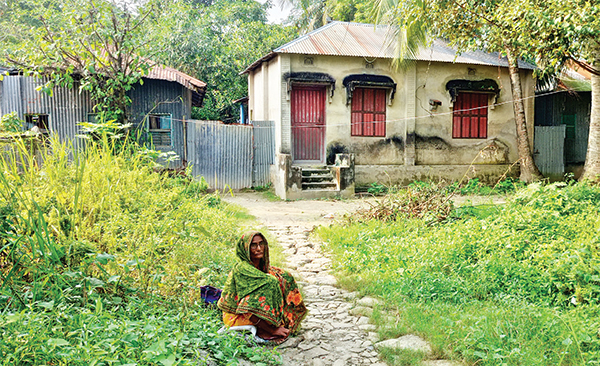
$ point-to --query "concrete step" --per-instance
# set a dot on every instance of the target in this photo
(318, 185)
(315, 171)
(317, 178)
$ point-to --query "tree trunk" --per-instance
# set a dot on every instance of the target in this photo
(591, 169)
(529, 171)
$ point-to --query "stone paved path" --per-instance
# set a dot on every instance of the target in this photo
(333, 333)
(330, 335)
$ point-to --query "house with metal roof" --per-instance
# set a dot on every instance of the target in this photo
(159, 105)
(346, 116)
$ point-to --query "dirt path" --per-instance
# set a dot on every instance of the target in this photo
(334, 332)
(305, 214)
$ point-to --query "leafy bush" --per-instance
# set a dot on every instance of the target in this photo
(474, 186)
(539, 251)
(99, 240)
(11, 123)
(377, 189)
(137, 332)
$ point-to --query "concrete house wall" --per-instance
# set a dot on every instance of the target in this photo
(418, 142)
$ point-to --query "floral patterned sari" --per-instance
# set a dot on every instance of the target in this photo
(269, 293)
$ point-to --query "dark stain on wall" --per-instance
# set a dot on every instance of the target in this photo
(410, 139)
(335, 148)
(431, 142)
(394, 140)
(366, 150)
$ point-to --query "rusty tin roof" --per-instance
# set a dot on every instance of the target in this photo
(162, 72)
(198, 87)
(368, 40)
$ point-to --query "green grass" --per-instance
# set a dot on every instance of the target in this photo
(467, 187)
(269, 195)
(102, 260)
(402, 357)
(267, 191)
(138, 332)
(514, 284)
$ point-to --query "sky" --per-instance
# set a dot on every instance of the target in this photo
(277, 14)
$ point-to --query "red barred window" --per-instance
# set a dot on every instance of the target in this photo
(470, 116)
(368, 112)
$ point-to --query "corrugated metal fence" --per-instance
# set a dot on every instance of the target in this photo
(264, 152)
(231, 156)
(549, 147)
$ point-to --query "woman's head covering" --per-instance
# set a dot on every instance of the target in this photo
(267, 292)
(243, 250)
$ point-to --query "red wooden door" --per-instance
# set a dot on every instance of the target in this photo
(308, 123)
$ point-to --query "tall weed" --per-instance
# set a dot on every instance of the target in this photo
(97, 238)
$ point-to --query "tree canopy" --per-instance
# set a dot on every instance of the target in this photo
(106, 47)
(93, 43)
(214, 42)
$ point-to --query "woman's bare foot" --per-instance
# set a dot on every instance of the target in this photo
(278, 333)
(281, 332)
(267, 331)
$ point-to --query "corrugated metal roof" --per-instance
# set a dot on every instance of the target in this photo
(7, 70)
(198, 87)
(368, 40)
(162, 72)
(571, 79)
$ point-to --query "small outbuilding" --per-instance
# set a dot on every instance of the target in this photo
(160, 105)
(562, 123)
(345, 116)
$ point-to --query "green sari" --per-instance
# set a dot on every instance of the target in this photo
(269, 293)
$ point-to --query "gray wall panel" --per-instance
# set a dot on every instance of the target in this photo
(162, 97)
(264, 152)
(549, 143)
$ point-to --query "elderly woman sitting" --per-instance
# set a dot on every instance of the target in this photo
(259, 294)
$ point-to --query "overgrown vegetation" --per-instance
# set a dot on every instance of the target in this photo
(513, 284)
(10, 124)
(467, 187)
(102, 260)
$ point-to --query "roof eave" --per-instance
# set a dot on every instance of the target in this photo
(258, 62)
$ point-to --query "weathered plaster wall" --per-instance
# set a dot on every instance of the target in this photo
(409, 118)
(403, 175)
(264, 87)
(433, 130)
(284, 145)
(414, 136)
(383, 150)
(256, 95)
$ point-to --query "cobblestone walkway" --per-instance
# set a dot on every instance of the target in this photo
(330, 335)
(333, 333)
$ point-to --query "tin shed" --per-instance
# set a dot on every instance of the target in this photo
(159, 105)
